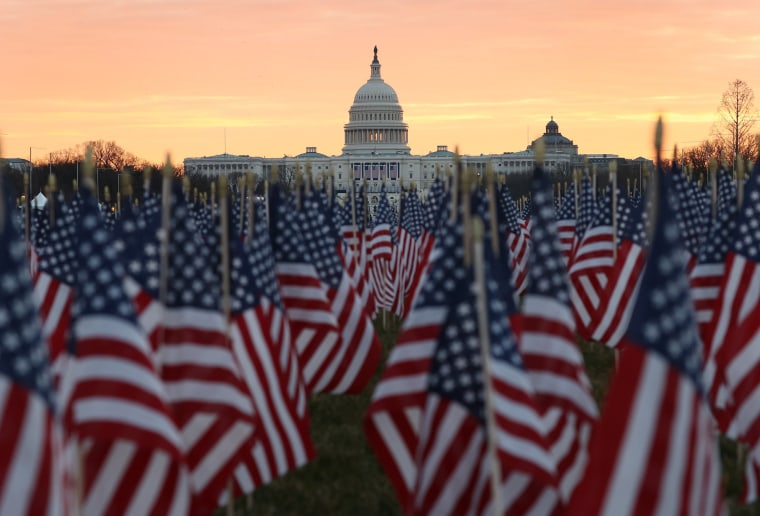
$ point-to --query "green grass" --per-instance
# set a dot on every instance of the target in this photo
(345, 478)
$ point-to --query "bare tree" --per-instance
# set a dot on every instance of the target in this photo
(737, 118)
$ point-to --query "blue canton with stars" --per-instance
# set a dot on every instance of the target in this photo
(320, 246)
(137, 236)
(567, 211)
(747, 234)
(507, 211)
(663, 319)
(689, 212)
(412, 218)
(359, 207)
(261, 259)
(59, 257)
(23, 353)
(287, 242)
(721, 232)
(456, 371)
(631, 223)
(435, 206)
(586, 207)
(193, 280)
(99, 289)
(40, 231)
(726, 191)
(547, 275)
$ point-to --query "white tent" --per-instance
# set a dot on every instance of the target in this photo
(39, 201)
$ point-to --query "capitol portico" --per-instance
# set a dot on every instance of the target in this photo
(376, 149)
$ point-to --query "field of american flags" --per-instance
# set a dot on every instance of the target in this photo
(423, 328)
(346, 478)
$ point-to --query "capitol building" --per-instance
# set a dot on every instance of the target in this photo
(376, 150)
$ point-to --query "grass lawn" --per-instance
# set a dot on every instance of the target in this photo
(346, 479)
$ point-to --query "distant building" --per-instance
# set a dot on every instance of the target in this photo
(20, 164)
(376, 150)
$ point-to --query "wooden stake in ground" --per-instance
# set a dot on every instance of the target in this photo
(224, 250)
(739, 181)
(250, 184)
(613, 185)
(455, 184)
(52, 187)
(165, 227)
(27, 213)
(491, 186)
(714, 186)
(485, 356)
(576, 193)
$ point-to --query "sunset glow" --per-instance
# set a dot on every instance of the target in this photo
(270, 77)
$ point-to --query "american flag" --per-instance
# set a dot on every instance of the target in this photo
(692, 216)
(381, 245)
(706, 279)
(39, 235)
(619, 296)
(114, 402)
(707, 274)
(260, 338)
(426, 422)
(736, 338)
(411, 259)
(313, 324)
(566, 224)
(354, 214)
(590, 267)
(654, 450)
(210, 400)
(354, 254)
(30, 464)
(53, 285)
(586, 210)
(354, 360)
(436, 207)
(551, 356)
(518, 237)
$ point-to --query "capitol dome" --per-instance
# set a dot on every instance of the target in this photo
(376, 121)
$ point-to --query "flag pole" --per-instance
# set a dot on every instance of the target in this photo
(89, 183)
(491, 183)
(242, 184)
(714, 186)
(352, 200)
(52, 187)
(27, 214)
(613, 184)
(274, 178)
(455, 184)
(739, 181)
(465, 185)
(224, 226)
(576, 193)
(165, 220)
(250, 182)
(485, 354)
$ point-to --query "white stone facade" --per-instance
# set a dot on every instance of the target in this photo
(376, 149)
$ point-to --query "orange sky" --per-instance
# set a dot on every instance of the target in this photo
(162, 76)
